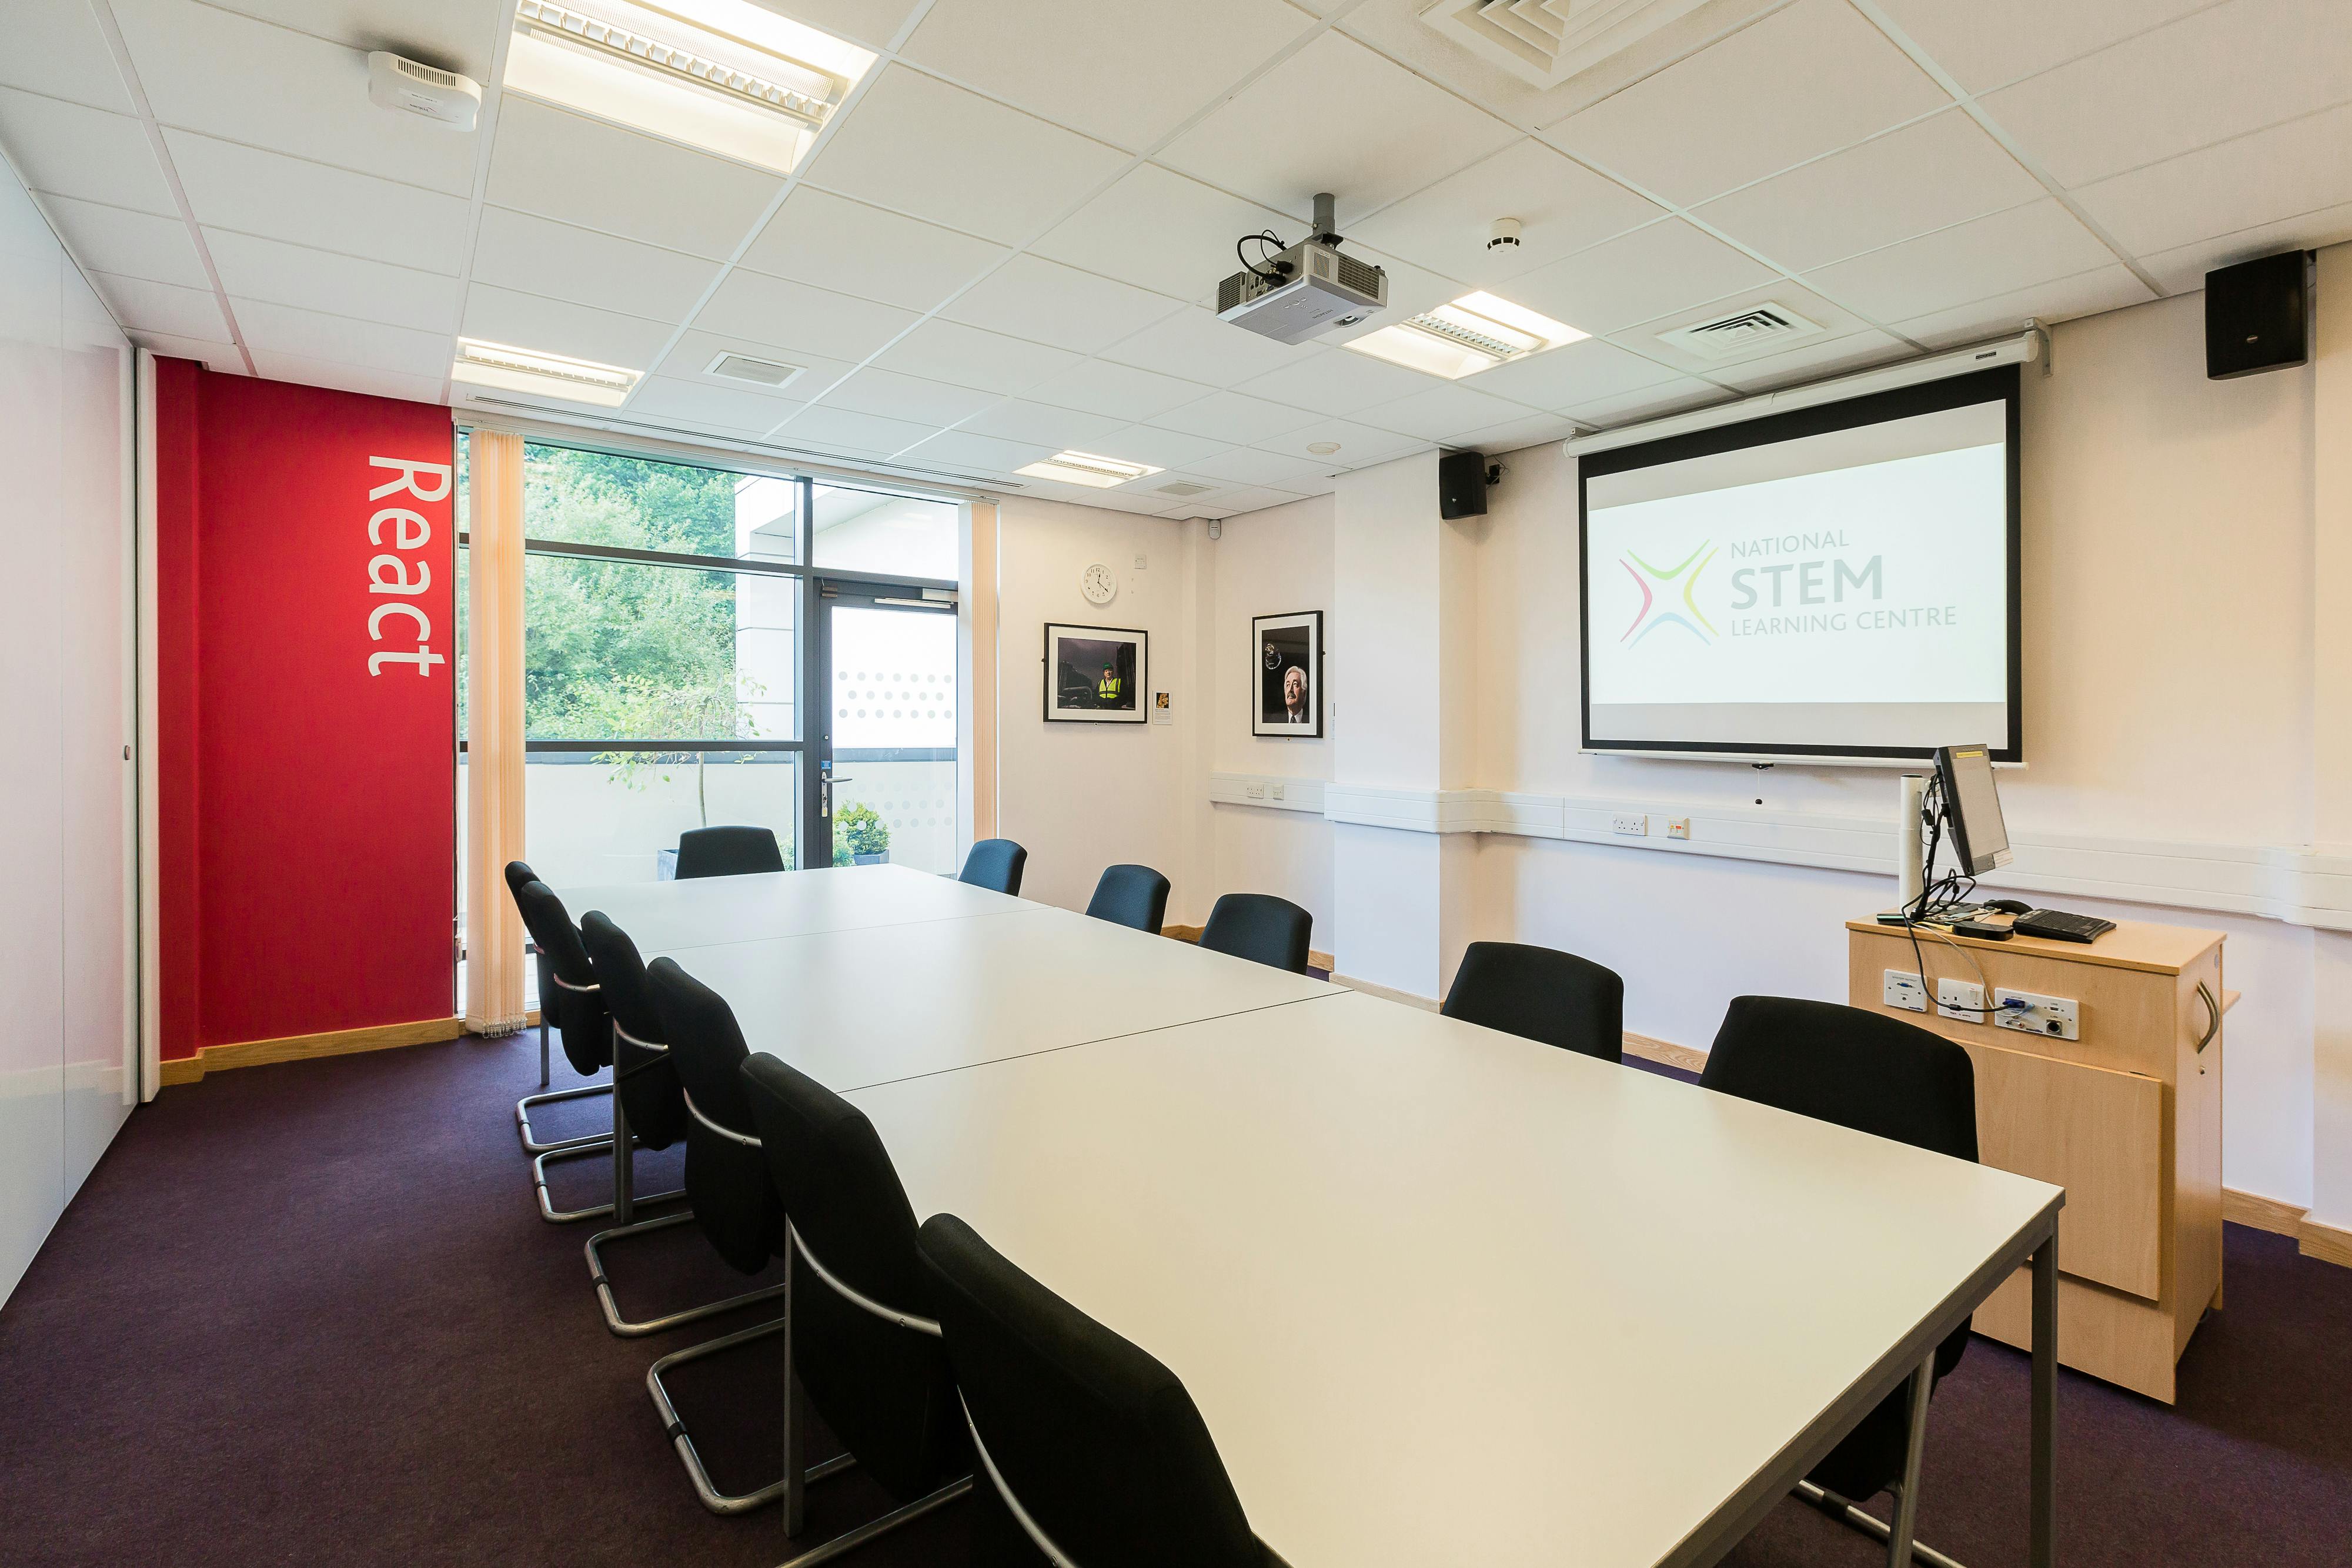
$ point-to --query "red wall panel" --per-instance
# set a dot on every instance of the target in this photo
(307, 640)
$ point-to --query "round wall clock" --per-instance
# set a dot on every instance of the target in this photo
(1097, 584)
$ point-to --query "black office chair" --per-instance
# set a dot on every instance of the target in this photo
(649, 1109)
(1094, 1452)
(1260, 927)
(1875, 1074)
(1131, 895)
(1541, 994)
(570, 998)
(735, 1204)
(867, 1354)
(728, 852)
(995, 863)
(518, 876)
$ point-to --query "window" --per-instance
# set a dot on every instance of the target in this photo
(888, 536)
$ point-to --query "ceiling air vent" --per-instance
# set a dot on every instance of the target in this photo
(1545, 42)
(744, 368)
(1767, 325)
(1183, 487)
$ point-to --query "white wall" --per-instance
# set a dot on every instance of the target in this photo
(67, 1030)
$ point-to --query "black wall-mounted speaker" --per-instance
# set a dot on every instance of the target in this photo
(2258, 316)
(1462, 485)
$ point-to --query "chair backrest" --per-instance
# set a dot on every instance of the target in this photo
(727, 1180)
(1542, 994)
(518, 873)
(1093, 1444)
(1260, 927)
(994, 863)
(642, 1072)
(1131, 895)
(728, 852)
(569, 995)
(864, 1344)
(1861, 1070)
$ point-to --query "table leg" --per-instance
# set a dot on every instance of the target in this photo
(2044, 1485)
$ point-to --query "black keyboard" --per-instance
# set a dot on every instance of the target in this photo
(2057, 926)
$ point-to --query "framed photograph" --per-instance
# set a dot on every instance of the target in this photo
(1286, 656)
(1095, 675)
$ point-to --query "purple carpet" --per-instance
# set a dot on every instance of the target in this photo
(309, 1314)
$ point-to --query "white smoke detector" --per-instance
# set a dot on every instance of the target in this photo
(412, 87)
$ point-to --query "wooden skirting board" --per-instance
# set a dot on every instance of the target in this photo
(302, 1047)
(2313, 1240)
(1315, 960)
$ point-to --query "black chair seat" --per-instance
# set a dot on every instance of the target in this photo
(643, 1073)
(727, 1182)
(568, 993)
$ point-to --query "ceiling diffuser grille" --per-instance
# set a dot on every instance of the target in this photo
(1545, 42)
(1741, 332)
(759, 372)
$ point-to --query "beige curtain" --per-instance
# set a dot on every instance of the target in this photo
(494, 935)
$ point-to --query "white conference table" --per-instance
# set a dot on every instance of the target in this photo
(666, 916)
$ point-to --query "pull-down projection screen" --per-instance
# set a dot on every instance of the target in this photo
(1838, 582)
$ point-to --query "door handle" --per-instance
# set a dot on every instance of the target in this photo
(2212, 1022)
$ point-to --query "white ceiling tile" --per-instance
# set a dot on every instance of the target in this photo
(76, 151)
(538, 256)
(344, 376)
(1677, 396)
(1229, 416)
(1535, 430)
(229, 76)
(894, 396)
(523, 320)
(1160, 230)
(1833, 322)
(1816, 361)
(1574, 373)
(766, 310)
(1984, 43)
(282, 274)
(873, 23)
(2236, 67)
(163, 308)
(853, 248)
(2301, 166)
(2108, 288)
(55, 46)
(1128, 71)
(982, 454)
(1049, 303)
(918, 145)
(1800, 83)
(1248, 466)
(1160, 448)
(1256, 498)
(1562, 207)
(1120, 390)
(695, 351)
(221, 357)
(580, 171)
(277, 197)
(2184, 268)
(1941, 171)
(1335, 382)
(703, 403)
(855, 432)
(952, 351)
(1338, 117)
(1974, 260)
(1440, 412)
(1638, 277)
(1062, 429)
(453, 35)
(339, 340)
(134, 245)
(1193, 345)
(1360, 445)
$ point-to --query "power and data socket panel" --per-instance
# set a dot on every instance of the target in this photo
(1961, 1000)
(1633, 827)
(1904, 991)
(2055, 1017)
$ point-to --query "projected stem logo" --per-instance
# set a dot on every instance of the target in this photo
(1662, 605)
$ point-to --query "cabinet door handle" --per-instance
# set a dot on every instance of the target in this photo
(2212, 1020)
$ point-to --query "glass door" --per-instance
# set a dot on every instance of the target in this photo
(886, 741)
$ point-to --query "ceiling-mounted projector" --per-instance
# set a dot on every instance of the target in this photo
(1305, 290)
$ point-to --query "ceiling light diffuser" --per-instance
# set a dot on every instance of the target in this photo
(550, 375)
(1086, 468)
(727, 76)
(1474, 333)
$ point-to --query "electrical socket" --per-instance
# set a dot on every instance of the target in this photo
(1277, 790)
(1254, 789)
(1961, 1000)
(1633, 827)
(1904, 990)
(2054, 1018)
(1678, 827)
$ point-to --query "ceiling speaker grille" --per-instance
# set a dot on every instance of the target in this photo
(1184, 487)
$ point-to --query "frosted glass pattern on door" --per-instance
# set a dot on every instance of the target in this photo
(894, 737)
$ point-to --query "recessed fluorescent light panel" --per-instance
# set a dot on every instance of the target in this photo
(550, 375)
(1474, 333)
(1086, 468)
(727, 76)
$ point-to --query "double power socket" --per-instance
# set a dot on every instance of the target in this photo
(2027, 1012)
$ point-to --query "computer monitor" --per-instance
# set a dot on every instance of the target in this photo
(1972, 806)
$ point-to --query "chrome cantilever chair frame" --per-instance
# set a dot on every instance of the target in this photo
(1902, 1545)
(618, 1139)
(532, 1143)
(624, 1212)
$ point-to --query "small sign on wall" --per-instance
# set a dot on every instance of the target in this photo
(1160, 710)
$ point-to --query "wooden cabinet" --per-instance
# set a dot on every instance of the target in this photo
(2126, 1118)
